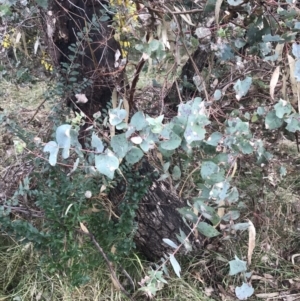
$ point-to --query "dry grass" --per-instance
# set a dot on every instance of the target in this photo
(273, 205)
(20, 103)
(270, 202)
(23, 278)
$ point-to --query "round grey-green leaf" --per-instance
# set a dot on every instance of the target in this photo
(134, 155)
(208, 168)
(176, 174)
(63, 136)
(217, 94)
(138, 120)
(244, 292)
(107, 163)
(53, 149)
(172, 143)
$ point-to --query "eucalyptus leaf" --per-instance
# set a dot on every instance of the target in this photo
(120, 145)
(242, 87)
(237, 266)
(214, 139)
(63, 138)
(207, 230)
(273, 122)
(172, 143)
(296, 50)
(270, 38)
(188, 214)
(156, 124)
(97, 143)
(208, 168)
(53, 148)
(175, 265)
(235, 2)
(297, 70)
(283, 108)
(176, 173)
(217, 94)
(170, 243)
(245, 291)
(240, 226)
(116, 116)
(134, 155)
(231, 215)
(293, 123)
(138, 121)
(107, 163)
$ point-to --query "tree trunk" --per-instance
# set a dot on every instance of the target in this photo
(78, 36)
(189, 90)
(157, 217)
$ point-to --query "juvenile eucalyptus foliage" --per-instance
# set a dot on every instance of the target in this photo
(194, 144)
(187, 132)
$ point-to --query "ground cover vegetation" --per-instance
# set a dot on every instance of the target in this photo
(149, 150)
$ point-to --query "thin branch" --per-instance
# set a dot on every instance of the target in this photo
(187, 51)
(186, 12)
(134, 81)
(108, 263)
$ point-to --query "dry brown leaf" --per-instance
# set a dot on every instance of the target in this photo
(127, 108)
(18, 37)
(274, 81)
(160, 158)
(115, 283)
(114, 101)
(94, 209)
(164, 34)
(208, 291)
(221, 209)
(186, 18)
(284, 85)
(113, 249)
(295, 86)
(267, 295)
(268, 276)
(84, 228)
(217, 11)
(278, 49)
(251, 245)
(293, 258)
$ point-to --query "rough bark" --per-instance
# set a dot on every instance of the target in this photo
(95, 47)
(157, 219)
(199, 57)
(156, 216)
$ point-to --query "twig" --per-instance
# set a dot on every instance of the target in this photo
(108, 263)
(38, 108)
(128, 277)
(192, 11)
(134, 81)
(186, 12)
(186, 49)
